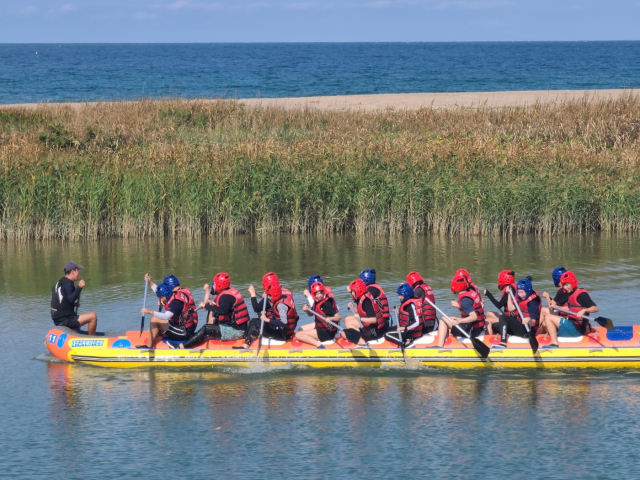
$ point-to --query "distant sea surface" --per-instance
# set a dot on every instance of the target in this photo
(78, 72)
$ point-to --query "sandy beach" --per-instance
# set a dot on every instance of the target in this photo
(418, 100)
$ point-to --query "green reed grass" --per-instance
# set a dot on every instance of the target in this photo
(192, 167)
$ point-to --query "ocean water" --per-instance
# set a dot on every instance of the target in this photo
(79, 72)
(72, 421)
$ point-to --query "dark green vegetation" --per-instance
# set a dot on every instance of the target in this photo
(192, 167)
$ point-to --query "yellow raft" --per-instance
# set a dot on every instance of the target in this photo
(605, 349)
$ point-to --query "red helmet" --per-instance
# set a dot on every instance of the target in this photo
(317, 287)
(569, 277)
(275, 290)
(413, 278)
(357, 288)
(465, 274)
(221, 282)
(268, 278)
(459, 283)
(506, 277)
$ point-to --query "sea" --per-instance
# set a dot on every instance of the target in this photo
(90, 72)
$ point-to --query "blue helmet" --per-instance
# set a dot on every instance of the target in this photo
(313, 279)
(526, 285)
(557, 273)
(164, 290)
(406, 291)
(172, 281)
(368, 276)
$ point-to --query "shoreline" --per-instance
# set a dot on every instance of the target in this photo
(401, 101)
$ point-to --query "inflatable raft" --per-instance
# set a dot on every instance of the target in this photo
(619, 348)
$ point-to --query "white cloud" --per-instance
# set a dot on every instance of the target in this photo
(68, 7)
(178, 4)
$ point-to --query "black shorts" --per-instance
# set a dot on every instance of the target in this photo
(178, 333)
(324, 335)
(69, 322)
(372, 332)
(473, 332)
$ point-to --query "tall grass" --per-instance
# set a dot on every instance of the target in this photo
(193, 167)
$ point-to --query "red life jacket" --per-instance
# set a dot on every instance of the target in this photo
(317, 307)
(404, 316)
(240, 314)
(524, 307)
(292, 314)
(380, 307)
(329, 293)
(288, 293)
(428, 312)
(477, 306)
(189, 316)
(575, 306)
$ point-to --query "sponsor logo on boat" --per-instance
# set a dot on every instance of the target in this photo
(86, 343)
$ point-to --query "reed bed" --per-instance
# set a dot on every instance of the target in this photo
(178, 167)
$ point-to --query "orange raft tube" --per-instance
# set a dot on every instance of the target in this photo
(619, 348)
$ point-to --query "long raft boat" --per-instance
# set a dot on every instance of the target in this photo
(619, 348)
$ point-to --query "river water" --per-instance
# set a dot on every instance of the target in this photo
(76, 421)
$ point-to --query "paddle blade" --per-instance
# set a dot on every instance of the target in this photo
(480, 347)
(604, 322)
(352, 335)
(533, 341)
(142, 325)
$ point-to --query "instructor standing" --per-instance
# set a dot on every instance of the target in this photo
(65, 300)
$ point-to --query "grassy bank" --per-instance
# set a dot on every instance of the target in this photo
(192, 167)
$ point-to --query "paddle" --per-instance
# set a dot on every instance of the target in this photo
(144, 303)
(352, 334)
(602, 321)
(264, 306)
(480, 347)
(533, 341)
(404, 356)
(356, 316)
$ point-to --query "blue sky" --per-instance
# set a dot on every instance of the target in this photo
(37, 21)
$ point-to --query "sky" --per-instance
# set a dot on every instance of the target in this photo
(158, 21)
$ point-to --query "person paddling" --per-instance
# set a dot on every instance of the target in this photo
(472, 319)
(228, 315)
(319, 331)
(372, 310)
(506, 283)
(580, 303)
(327, 291)
(423, 291)
(410, 317)
(280, 317)
(179, 320)
(65, 300)
(530, 305)
(561, 298)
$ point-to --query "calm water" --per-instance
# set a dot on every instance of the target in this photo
(78, 72)
(79, 421)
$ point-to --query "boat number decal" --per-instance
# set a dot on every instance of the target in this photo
(86, 343)
(52, 338)
(61, 340)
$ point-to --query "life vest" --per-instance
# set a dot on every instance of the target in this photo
(404, 316)
(575, 306)
(524, 307)
(60, 306)
(428, 312)
(477, 306)
(189, 316)
(240, 314)
(317, 307)
(292, 314)
(288, 293)
(380, 307)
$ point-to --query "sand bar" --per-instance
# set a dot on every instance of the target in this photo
(416, 100)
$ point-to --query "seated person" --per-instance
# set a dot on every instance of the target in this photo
(471, 311)
(372, 311)
(319, 331)
(530, 306)
(409, 317)
(65, 300)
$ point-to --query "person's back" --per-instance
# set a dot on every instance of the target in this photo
(65, 300)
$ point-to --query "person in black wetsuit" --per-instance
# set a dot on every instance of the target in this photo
(506, 283)
(65, 300)
(228, 316)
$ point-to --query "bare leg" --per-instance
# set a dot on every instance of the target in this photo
(553, 323)
(443, 333)
(491, 319)
(308, 336)
(351, 322)
(155, 328)
(91, 320)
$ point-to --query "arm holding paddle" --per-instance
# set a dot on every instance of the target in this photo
(533, 341)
